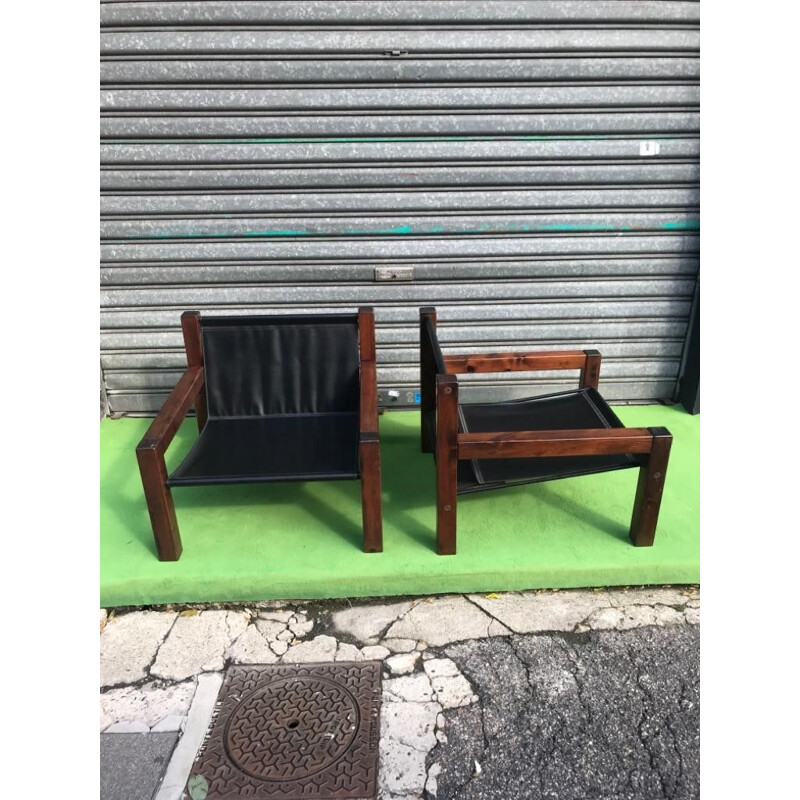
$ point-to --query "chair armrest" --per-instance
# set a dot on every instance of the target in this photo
(164, 426)
(587, 361)
(516, 362)
(578, 442)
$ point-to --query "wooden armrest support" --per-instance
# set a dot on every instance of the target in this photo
(527, 444)
(369, 449)
(164, 426)
(368, 376)
(516, 362)
(587, 361)
(368, 420)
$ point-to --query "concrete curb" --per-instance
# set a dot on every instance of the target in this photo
(180, 765)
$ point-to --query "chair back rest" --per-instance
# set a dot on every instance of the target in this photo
(436, 350)
(466, 469)
(279, 365)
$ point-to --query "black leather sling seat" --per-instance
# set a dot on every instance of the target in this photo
(262, 449)
(580, 409)
(283, 401)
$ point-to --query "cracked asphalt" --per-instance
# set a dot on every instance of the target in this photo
(540, 694)
(602, 714)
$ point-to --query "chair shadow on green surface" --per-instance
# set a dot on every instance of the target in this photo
(408, 489)
(270, 500)
(130, 507)
(122, 494)
(587, 515)
(410, 485)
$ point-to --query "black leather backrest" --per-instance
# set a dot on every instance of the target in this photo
(305, 364)
(437, 350)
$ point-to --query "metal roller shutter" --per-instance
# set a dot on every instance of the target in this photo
(534, 164)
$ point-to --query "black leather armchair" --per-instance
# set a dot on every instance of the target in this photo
(484, 446)
(278, 398)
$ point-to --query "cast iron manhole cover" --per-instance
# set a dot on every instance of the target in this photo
(295, 731)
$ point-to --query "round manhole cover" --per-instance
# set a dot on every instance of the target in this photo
(291, 728)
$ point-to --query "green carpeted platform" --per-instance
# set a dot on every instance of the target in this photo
(272, 541)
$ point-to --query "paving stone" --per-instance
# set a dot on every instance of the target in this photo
(453, 692)
(444, 620)
(640, 616)
(692, 616)
(411, 724)
(128, 645)
(402, 768)
(665, 615)
(320, 648)
(285, 636)
(527, 612)
(604, 619)
(271, 629)
(630, 617)
(430, 783)
(147, 703)
(348, 652)
(368, 622)
(410, 688)
(279, 648)
(374, 652)
(421, 646)
(127, 727)
(301, 628)
(400, 645)
(452, 689)
(649, 596)
(173, 722)
(402, 663)
(198, 644)
(251, 648)
(441, 668)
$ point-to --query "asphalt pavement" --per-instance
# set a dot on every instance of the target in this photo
(576, 716)
(569, 695)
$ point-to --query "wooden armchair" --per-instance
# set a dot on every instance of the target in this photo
(483, 446)
(278, 398)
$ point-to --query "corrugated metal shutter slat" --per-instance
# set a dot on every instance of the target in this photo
(534, 162)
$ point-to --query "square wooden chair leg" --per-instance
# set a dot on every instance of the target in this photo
(650, 488)
(159, 503)
(446, 522)
(446, 463)
(370, 454)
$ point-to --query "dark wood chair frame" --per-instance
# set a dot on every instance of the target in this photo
(190, 390)
(439, 393)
